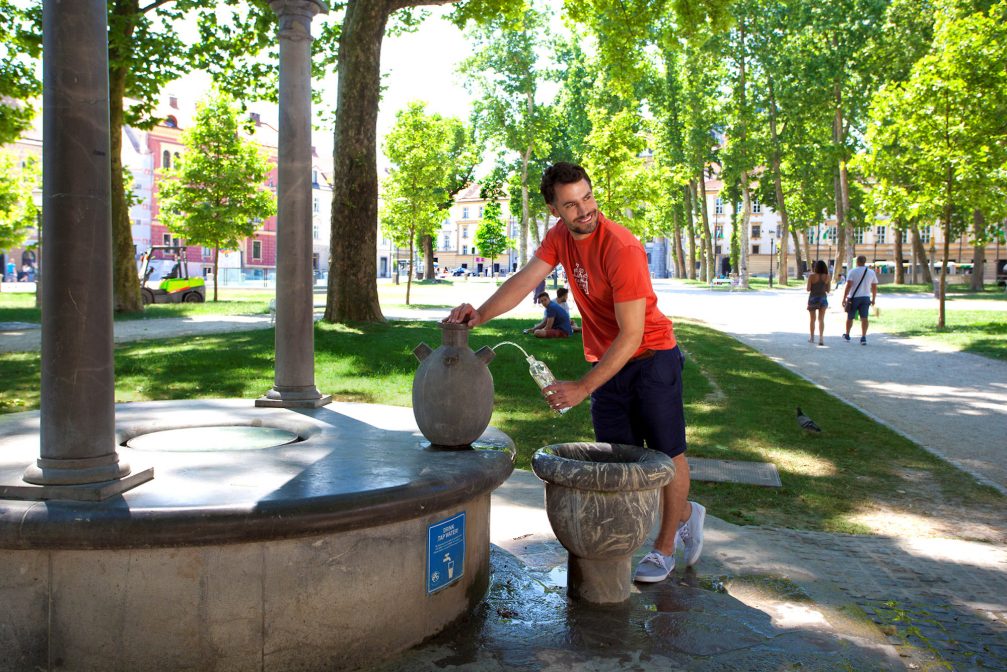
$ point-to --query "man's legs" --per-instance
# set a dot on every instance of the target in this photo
(675, 507)
(863, 327)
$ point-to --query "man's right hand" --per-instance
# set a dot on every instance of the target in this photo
(464, 314)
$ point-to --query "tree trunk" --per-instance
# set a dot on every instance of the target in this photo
(948, 205)
(746, 218)
(125, 283)
(708, 237)
(679, 252)
(216, 270)
(690, 228)
(352, 289)
(843, 223)
(900, 271)
(979, 251)
(536, 234)
(409, 277)
(427, 243)
(798, 261)
(921, 252)
(840, 231)
(781, 206)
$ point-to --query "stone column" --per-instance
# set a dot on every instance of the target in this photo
(77, 426)
(294, 377)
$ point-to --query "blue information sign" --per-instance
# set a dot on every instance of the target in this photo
(445, 552)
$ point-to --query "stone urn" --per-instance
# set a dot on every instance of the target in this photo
(602, 500)
(453, 389)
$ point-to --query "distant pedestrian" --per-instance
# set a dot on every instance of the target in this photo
(860, 294)
(538, 291)
(818, 300)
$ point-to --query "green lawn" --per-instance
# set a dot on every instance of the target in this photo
(981, 332)
(955, 291)
(740, 405)
(20, 307)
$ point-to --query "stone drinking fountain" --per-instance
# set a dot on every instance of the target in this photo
(602, 500)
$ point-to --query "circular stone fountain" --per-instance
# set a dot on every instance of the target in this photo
(323, 539)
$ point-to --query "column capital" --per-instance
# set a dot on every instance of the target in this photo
(295, 17)
(305, 8)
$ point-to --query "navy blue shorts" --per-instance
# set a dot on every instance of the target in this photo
(642, 404)
(860, 304)
(817, 302)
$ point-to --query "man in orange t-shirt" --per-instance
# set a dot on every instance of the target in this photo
(635, 380)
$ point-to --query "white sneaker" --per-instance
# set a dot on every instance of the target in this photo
(654, 567)
(691, 534)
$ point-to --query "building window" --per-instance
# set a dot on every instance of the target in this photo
(718, 206)
(925, 234)
(315, 206)
(858, 236)
(465, 249)
(465, 232)
(314, 231)
(755, 249)
(465, 213)
(166, 239)
(166, 159)
(905, 235)
(756, 206)
(832, 233)
(881, 235)
(257, 249)
(207, 252)
(756, 232)
(314, 178)
(718, 233)
(480, 212)
(446, 242)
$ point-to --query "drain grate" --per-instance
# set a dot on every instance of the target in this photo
(730, 471)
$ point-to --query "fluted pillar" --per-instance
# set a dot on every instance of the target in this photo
(78, 458)
(294, 376)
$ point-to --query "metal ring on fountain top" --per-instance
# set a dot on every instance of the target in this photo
(604, 467)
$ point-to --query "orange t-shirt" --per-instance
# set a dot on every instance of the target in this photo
(607, 267)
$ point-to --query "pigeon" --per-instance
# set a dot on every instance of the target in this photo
(806, 423)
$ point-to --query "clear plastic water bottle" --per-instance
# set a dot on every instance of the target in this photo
(542, 375)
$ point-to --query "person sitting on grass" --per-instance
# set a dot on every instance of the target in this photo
(555, 322)
(562, 294)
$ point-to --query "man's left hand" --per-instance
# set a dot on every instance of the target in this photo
(565, 394)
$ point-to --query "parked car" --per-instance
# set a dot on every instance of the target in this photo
(460, 271)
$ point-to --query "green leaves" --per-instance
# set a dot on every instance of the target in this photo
(18, 214)
(215, 195)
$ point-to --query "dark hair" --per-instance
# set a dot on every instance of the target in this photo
(545, 294)
(562, 291)
(560, 173)
(821, 268)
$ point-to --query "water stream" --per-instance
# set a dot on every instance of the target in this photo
(509, 343)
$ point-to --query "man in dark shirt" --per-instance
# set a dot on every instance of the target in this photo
(555, 322)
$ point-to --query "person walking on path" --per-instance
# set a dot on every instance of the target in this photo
(635, 381)
(864, 285)
(555, 322)
(818, 300)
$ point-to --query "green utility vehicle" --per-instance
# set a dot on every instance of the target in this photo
(166, 279)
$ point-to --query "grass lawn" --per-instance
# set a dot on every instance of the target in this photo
(20, 307)
(955, 291)
(981, 332)
(740, 405)
(754, 283)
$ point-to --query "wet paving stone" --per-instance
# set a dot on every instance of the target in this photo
(687, 623)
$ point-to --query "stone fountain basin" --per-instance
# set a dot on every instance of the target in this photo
(306, 555)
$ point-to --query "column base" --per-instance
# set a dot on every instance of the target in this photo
(293, 397)
(87, 492)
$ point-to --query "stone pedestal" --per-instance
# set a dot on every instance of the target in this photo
(602, 501)
(312, 555)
